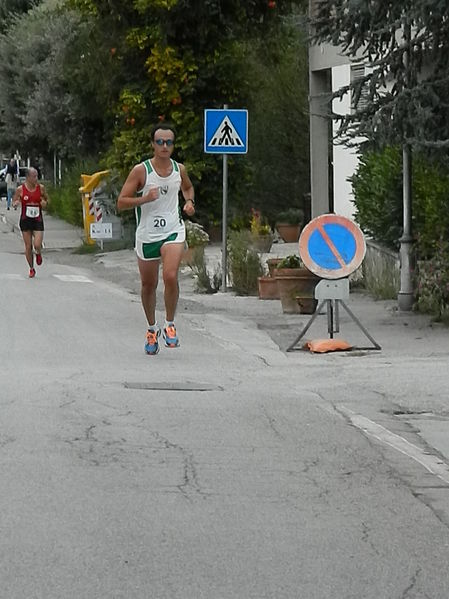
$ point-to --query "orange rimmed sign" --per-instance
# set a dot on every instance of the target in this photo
(332, 246)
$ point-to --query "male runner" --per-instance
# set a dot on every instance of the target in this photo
(152, 188)
(33, 197)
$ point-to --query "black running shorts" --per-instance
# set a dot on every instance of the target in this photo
(31, 224)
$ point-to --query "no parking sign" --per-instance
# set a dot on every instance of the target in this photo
(332, 246)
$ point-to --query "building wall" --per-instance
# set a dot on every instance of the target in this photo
(345, 160)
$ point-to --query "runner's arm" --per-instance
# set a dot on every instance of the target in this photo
(16, 199)
(127, 198)
(188, 191)
(44, 196)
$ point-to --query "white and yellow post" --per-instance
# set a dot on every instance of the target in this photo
(90, 182)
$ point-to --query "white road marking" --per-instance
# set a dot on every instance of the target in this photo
(73, 278)
(11, 277)
(431, 463)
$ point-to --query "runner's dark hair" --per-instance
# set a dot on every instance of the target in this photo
(164, 126)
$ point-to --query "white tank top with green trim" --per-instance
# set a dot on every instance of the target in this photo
(158, 219)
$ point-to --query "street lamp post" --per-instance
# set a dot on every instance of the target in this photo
(405, 296)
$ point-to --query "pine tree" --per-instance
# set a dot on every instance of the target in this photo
(406, 86)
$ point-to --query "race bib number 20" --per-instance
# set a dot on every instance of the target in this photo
(159, 223)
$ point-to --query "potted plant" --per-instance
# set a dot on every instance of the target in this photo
(272, 264)
(261, 233)
(289, 223)
(196, 240)
(294, 280)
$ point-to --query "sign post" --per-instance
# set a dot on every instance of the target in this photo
(225, 132)
(332, 247)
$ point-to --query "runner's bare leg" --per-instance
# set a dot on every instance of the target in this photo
(27, 237)
(38, 237)
(149, 274)
(171, 259)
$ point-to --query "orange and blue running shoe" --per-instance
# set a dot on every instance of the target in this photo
(151, 342)
(170, 336)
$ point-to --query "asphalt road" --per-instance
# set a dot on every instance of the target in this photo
(223, 469)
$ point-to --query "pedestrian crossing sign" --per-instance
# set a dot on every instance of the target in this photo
(226, 131)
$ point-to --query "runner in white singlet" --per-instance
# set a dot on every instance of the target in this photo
(159, 222)
(152, 189)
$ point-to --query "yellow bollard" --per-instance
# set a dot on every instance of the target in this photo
(89, 183)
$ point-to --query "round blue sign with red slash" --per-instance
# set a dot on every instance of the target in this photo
(332, 246)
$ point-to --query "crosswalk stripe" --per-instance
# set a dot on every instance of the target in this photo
(73, 278)
(65, 278)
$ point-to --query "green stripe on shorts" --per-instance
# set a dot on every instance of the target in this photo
(153, 250)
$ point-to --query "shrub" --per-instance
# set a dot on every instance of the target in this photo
(377, 186)
(204, 283)
(65, 199)
(195, 234)
(433, 283)
(293, 216)
(245, 265)
(292, 261)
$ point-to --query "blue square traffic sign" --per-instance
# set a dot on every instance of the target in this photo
(226, 131)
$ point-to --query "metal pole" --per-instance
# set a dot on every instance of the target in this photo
(405, 296)
(224, 250)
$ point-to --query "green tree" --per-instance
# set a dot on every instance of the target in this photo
(8, 8)
(277, 74)
(406, 47)
(50, 97)
(178, 57)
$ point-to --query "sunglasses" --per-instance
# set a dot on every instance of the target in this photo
(161, 142)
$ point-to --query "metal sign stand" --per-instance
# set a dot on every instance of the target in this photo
(332, 294)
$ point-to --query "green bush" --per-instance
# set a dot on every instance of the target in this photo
(377, 187)
(65, 199)
(433, 283)
(292, 261)
(245, 265)
(293, 216)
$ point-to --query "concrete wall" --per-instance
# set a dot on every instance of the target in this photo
(345, 160)
(329, 70)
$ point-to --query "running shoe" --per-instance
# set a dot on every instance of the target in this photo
(170, 336)
(38, 259)
(152, 343)
(32, 273)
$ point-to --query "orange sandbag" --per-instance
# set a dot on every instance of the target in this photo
(325, 345)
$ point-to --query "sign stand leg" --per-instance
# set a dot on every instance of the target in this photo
(333, 309)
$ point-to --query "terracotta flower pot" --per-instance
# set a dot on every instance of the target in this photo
(307, 305)
(294, 282)
(262, 243)
(272, 263)
(289, 233)
(268, 288)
